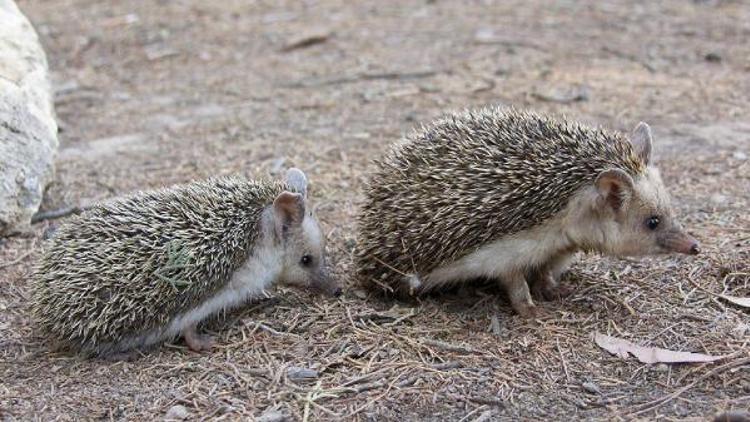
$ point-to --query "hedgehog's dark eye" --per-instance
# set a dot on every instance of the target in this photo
(652, 223)
(306, 260)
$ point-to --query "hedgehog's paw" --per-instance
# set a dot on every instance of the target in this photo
(520, 298)
(200, 342)
(550, 292)
(197, 342)
(548, 288)
(561, 291)
(532, 311)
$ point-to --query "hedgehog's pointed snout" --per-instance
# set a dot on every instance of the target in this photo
(325, 284)
(689, 246)
(680, 242)
(332, 289)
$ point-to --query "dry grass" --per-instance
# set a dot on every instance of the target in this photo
(207, 90)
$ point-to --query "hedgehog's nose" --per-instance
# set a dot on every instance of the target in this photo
(695, 249)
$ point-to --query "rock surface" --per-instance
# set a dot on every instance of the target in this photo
(28, 131)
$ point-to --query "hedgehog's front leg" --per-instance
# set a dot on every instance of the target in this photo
(546, 286)
(545, 282)
(195, 341)
(520, 298)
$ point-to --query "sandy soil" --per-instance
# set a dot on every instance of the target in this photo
(151, 93)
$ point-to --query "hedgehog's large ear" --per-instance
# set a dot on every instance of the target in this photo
(641, 140)
(289, 211)
(297, 180)
(615, 187)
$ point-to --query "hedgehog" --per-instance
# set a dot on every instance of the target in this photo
(510, 195)
(147, 268)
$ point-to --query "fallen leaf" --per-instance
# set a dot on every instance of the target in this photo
(622, 348)
(741, 301)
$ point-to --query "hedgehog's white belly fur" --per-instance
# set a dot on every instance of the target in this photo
(254, 276)
(500, 259)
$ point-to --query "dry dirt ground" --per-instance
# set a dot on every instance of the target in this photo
(151, 93)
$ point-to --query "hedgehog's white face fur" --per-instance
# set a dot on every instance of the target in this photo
(303, 261)
(624, 216)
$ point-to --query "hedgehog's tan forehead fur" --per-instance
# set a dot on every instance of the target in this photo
(133, 264)
(471, 178)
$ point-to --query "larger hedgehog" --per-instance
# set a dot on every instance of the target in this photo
(510, 195)
(149, 267)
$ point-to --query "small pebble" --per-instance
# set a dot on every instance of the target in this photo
(739, 155)
(177, 413)
(485, 416)
(296, 373)
(484, 35)
(741, 330)
(718, 198)
(662, 367)
(359, 293)
(713, 57)
(591, 388)
(355, 351)
(273, 415)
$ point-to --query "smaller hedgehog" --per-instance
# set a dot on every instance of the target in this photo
(144, 269)
(512, 196)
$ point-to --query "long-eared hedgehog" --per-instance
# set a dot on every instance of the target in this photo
(149, 267)
(510, 195)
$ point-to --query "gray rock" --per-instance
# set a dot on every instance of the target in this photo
(28, 132)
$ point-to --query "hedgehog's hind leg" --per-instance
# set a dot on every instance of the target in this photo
(520, 297)
(196, 341)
